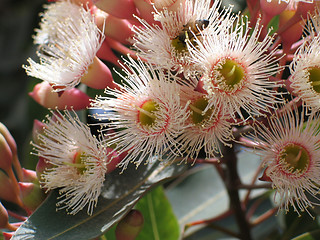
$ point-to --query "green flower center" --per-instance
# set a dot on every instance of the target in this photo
(295, 157)
(198, 116)
(314, 78)
(231, 74)
(78, 161)
(146, 113)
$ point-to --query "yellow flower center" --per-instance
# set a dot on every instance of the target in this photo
(198, 116)
(314, 78)
(231, 74)
(146, 113)
(295, 157)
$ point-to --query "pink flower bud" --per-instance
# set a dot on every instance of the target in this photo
(146, 10)
(13, 146)
(107, 54)
(171, 5)
(73, 98)
(98, 76)
(4, 218)
(79, 2)
(292, 33)
(7, 235)
(42, 165)
(306, 7)
(252, 4)
(130, 226)
(5, 154)
(32, 195)
(9, 139)
(116, 7)
(8, 190)
(273, 7)
(38, 128)
(29, 176)
(116, 28)
(115, 158)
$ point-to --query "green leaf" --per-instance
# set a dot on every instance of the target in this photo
(110, 234)
(314, 235)
(160, 223)
(119, 194)
(296, 225)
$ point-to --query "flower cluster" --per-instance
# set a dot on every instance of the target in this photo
(197, 74)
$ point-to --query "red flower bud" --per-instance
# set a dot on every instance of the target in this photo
(130, 226)
(72, 98)
(32, 195)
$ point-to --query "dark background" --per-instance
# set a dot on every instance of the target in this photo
(18, 18)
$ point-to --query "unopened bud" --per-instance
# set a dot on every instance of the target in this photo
(5, 154)
(115, 158)
(292, 33)
(79, 2)
(273, 7)
(32, 195)
(7, 235)
(117, 9)
(305, 8)
(38, 128)
(10, 140)
(98, 75)
(29, 176)
(130, 226)
(146, 10)
(8, 190)
(73, 98)
(4, 218)
(171, 5)
(13, 146)
(105, 53)
(42, 166)
(116, 28)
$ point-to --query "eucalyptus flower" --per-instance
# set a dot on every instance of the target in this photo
(290, 149)
(68, 41)
(78, 160)
(237, 70)
(206, 129)
(145, 115)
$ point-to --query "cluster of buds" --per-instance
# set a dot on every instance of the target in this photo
(17, 185)
(197, 74)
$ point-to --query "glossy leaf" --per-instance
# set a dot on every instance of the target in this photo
(296, 225)
(120, 193)
(314, 235)
(160, 223)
